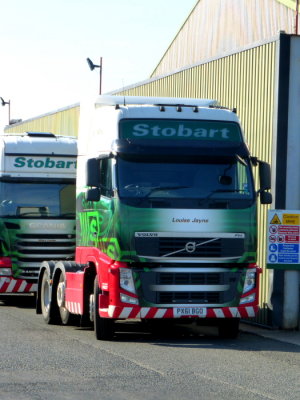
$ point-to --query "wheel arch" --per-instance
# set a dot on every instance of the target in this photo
(89, 277)
(88, 280)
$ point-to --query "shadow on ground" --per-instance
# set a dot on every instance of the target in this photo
(24, 301)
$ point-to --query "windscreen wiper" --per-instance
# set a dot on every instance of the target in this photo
(158, 188)
(208, 197)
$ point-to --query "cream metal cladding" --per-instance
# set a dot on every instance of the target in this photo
(216, 27)
(60, 122)
(245, 80)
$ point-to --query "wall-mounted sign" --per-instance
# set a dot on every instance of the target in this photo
(283, 233)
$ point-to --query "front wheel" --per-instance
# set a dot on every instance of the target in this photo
(48, 302)
(104, 327)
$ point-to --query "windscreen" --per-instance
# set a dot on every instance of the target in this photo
(224, 184)
(37, 200)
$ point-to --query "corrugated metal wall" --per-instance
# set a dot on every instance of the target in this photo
(245, 80)
(60, 122)
(215, 27)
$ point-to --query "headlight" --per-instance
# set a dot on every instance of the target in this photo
(126, 280)
(249, 280)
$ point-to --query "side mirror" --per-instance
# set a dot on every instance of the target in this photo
(93, 194)
(264, 176)
(265, 197)
(93, 172)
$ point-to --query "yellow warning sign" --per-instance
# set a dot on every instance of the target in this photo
(291, 219)
(275, 220)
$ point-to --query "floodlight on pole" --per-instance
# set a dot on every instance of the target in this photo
(3, 102)
(92, 67)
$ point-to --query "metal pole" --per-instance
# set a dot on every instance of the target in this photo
(291, 303)
(297, 15)
(8, 112)
(100, 72)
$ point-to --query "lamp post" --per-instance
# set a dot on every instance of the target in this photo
(4, 104)
(297, 15)
(92, 67)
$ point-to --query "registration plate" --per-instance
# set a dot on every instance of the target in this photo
(190, 312)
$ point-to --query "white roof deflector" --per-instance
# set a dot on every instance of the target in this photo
(107, 100)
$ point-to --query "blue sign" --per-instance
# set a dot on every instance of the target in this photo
(273, 258)
(288, 253)
(273, 247)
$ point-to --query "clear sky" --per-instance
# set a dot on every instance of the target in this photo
(44, 45)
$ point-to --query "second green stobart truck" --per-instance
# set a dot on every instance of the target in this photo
(37, 206)
(166, 218)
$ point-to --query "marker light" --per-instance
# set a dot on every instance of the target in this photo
(5, 266)
(248, 299)
(128, 299)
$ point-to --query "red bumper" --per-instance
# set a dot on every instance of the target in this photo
(136, 312)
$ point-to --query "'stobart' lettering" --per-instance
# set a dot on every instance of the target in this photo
(25, 162)
(142, 130)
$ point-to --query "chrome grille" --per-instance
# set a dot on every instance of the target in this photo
(189, 247)
(188, 297)
(202, 247)
(168, 278)
(172, 285)
(31, 250)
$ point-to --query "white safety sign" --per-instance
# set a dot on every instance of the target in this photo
(283, 233)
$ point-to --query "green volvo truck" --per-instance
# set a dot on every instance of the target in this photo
(166, 218)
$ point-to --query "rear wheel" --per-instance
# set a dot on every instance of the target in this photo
(65, 315)
(229, 328)
(48, 302)
(104, 327)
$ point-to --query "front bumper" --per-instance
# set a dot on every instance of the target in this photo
(136, 312)
(17, 286)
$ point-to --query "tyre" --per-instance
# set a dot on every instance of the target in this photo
(66, 317)
(104, 327)
(229, 328)
(48, 302)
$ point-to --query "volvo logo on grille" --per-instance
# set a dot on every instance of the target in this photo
(190, 247)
